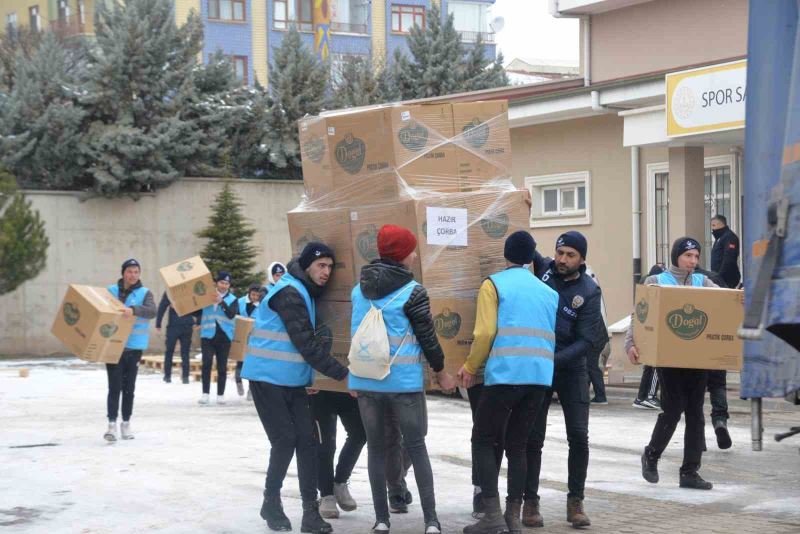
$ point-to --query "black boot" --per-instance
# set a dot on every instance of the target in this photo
(272, 513)
(649, 467)
(723, 437)
(694, 481)
(312, 522)
(492, 522)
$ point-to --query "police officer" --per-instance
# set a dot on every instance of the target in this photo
(682, 390)
(280, 356)
(515, 338)
(139, 303)
(246, 307)
(179, 329)
(216, 333)
(580, 332)
(725, 252)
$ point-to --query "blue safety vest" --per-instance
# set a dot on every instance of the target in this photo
(208, 324)
(242, 304)
(524, 347)
(406, 374)
(140, 335)
(271, 355)
(668, 279)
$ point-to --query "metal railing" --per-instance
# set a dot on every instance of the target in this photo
(471, 37)
(348, 27)
(71, 25)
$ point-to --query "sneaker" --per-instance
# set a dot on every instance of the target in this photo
(249, 394)
(652, 402)
(433, 527)
(649, 468)
(125, 430)
(723, 436)
(167, 379)
(327, 507)
(595, 400)
(240, 388)
(220, 399)
(343, 498)
(185, 379)
(408, 498)
(397, 504)
(203, 399)
(694, 481)
(641, 405)
(381, 528)
(111, 433)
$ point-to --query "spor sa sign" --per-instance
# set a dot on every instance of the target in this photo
(708, 99)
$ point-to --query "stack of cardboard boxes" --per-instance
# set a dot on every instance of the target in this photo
(440, 170)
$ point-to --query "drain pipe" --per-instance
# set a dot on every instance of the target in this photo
(586, 22)
(637, 216)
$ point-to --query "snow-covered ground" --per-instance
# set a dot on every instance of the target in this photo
(197, 469)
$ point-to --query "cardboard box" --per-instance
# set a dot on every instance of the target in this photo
(340, 149)
(333, 326)
(688, 327)
(482, 142)
(241, 335)
(91, 325)
(190, 286)
(332, 227)
(365, 223)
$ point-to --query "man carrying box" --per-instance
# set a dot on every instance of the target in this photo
(178, 329)
(682, 390)
(281, 356)
(139, 303)
(515, 338)
(216, 333)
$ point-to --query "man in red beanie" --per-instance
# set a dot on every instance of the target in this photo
(388, 284)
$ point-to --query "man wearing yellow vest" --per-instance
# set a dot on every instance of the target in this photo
(282, 353)
(139, 303)
(515, 339)
(216, 333)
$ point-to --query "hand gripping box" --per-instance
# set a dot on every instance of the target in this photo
(241, 335)
(190, 286)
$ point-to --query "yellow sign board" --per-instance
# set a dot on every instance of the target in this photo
(708, 99)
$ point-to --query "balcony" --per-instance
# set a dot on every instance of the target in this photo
(348, 27)
(71, 25)
(471, 36)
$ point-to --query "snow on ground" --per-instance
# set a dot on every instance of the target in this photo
(198, 468)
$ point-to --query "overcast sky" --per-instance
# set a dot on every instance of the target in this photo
(531, 32)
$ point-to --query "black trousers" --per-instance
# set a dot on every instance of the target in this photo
(286, 417)
(238, 374)
(596, 376)
(174, 335)
(648, 385)
(122, 380)
(572, 387)
(219, 346)
(717, 390)
(474, 395)
(512, 408)
(326, 408)
(682, 392)
(398, 461)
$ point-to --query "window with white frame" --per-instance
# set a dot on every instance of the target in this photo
(560, 199)
(470, 19)
(11, 21)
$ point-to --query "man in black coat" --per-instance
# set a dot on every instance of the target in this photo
(179, 328)
(725, 252)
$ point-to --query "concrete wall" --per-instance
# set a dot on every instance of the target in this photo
(90, 240)
(667, 34)
(593, 145)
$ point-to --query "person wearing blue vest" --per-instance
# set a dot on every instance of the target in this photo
(216, 334)
(388, 284)
(282, 354)
(139, 303)
(246, 307)
(276, 270)
(515, 341)
(683, 391)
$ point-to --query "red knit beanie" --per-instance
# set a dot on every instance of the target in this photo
(395, 242)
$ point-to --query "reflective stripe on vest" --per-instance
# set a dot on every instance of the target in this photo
(271, 356)
(524, 347)
(668, 279)
(406, 373)
(211, 316)
(140, 335)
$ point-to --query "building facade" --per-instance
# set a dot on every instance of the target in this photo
(71, 16)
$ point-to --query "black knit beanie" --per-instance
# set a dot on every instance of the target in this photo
(130, 263)
(681, 245)
(574, 240)
(520, 248)
(314, 251)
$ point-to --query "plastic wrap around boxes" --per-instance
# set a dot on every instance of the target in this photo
(440, 170)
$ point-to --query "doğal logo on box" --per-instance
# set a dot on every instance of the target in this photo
(199, 289)
(304, 240)
(642, 308)
(688, 322)
(350, 153)
(476, 133)
(447, 324)
(314, 149)
(367, 243)
(184, 266)
(414, 136)
(71, 313)
(109, 329)
(495, 226)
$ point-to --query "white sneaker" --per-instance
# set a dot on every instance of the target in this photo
(380, 528)
(249, 394)
(203, 399)
(111, 433)
(125, 430)
(327, 507)
(220, 399)
(433, 528)
(343, 497)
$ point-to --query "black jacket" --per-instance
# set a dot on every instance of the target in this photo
(288, 303)
(580, 330)
(724, 256)
(382, 277)
(175, 320)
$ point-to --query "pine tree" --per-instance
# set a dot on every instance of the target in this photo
(298, 82)
(437, 55)
(23, 242)
(15, 42)
(355, 83)
(229, 245)
(477, 73)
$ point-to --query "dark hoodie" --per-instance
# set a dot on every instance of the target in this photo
(288, 303)
(384, 276)
(147, 310)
